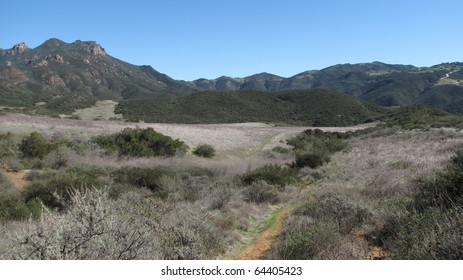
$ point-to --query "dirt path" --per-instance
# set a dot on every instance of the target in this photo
(259, 249)
(18, 178)
(264, 242)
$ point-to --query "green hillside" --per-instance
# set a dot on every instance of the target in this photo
(315, 107)
(445, 97)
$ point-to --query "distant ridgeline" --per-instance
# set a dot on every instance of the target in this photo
(59, 77)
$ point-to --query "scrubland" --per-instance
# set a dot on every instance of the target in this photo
(355, 195)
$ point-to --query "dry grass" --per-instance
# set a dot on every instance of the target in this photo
(383, 168)
(373, 174)
(230, 140)
(103, 110)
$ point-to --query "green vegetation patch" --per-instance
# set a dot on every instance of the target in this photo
(313, 148)
(204, 150)
(272, 174)
(139, 142)
(315, 107)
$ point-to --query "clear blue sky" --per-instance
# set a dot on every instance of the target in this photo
(205, 38)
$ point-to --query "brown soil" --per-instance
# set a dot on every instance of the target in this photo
(377, 253)
(259, 249)
(18, 178)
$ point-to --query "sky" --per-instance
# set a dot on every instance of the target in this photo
(188, 40)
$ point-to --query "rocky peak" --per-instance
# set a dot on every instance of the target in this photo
(96, 49)
(19, 48)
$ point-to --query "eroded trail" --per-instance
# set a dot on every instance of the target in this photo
(259, 249)
(18, 178)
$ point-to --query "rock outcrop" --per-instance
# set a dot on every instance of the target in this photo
(19, 48)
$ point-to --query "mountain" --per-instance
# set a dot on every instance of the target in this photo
(380, 83)
(56, 69)
(66, 76)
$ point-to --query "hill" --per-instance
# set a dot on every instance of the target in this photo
(316, 107)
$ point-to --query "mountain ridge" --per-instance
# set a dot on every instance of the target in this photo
(55, 69)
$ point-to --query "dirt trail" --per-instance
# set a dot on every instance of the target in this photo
(377, 253)
(264, 242)
(259, 249)
(18, 178)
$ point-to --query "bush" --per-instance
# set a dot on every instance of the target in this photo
(305, 242)
(54, 188)
(14, 209)
(93, 228)
(204, 150)
(313, 148)
(140, 143)
(261, 192)
(272, 174)
(140, 177)
(332, 209)
(312, 160)
(281, 150)
(35, 145)
(446, 190)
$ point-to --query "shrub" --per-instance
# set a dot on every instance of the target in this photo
(313, 148)
(431, 225)
(333, 209)
(140, 177)
(305, 241)
(204, 150)
(14, 209)
(93, 228)
(35, 145)
(54, 188)
(261, 192)
(281, 150)
(140, 143)
(272, 174)
(312, 160)
(446, 190)
(8, 145)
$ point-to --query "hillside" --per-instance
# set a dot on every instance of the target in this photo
(56, 69)
(314, 107)
(380, 83)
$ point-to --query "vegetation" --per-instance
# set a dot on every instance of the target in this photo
(420, 117)
(382, 198)
(313, 148)
(389, 188)
(272, 174)
(140, 143)
(204, 150)
(431, 225)
(68, 103)
(35, 145)
(307, 107)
